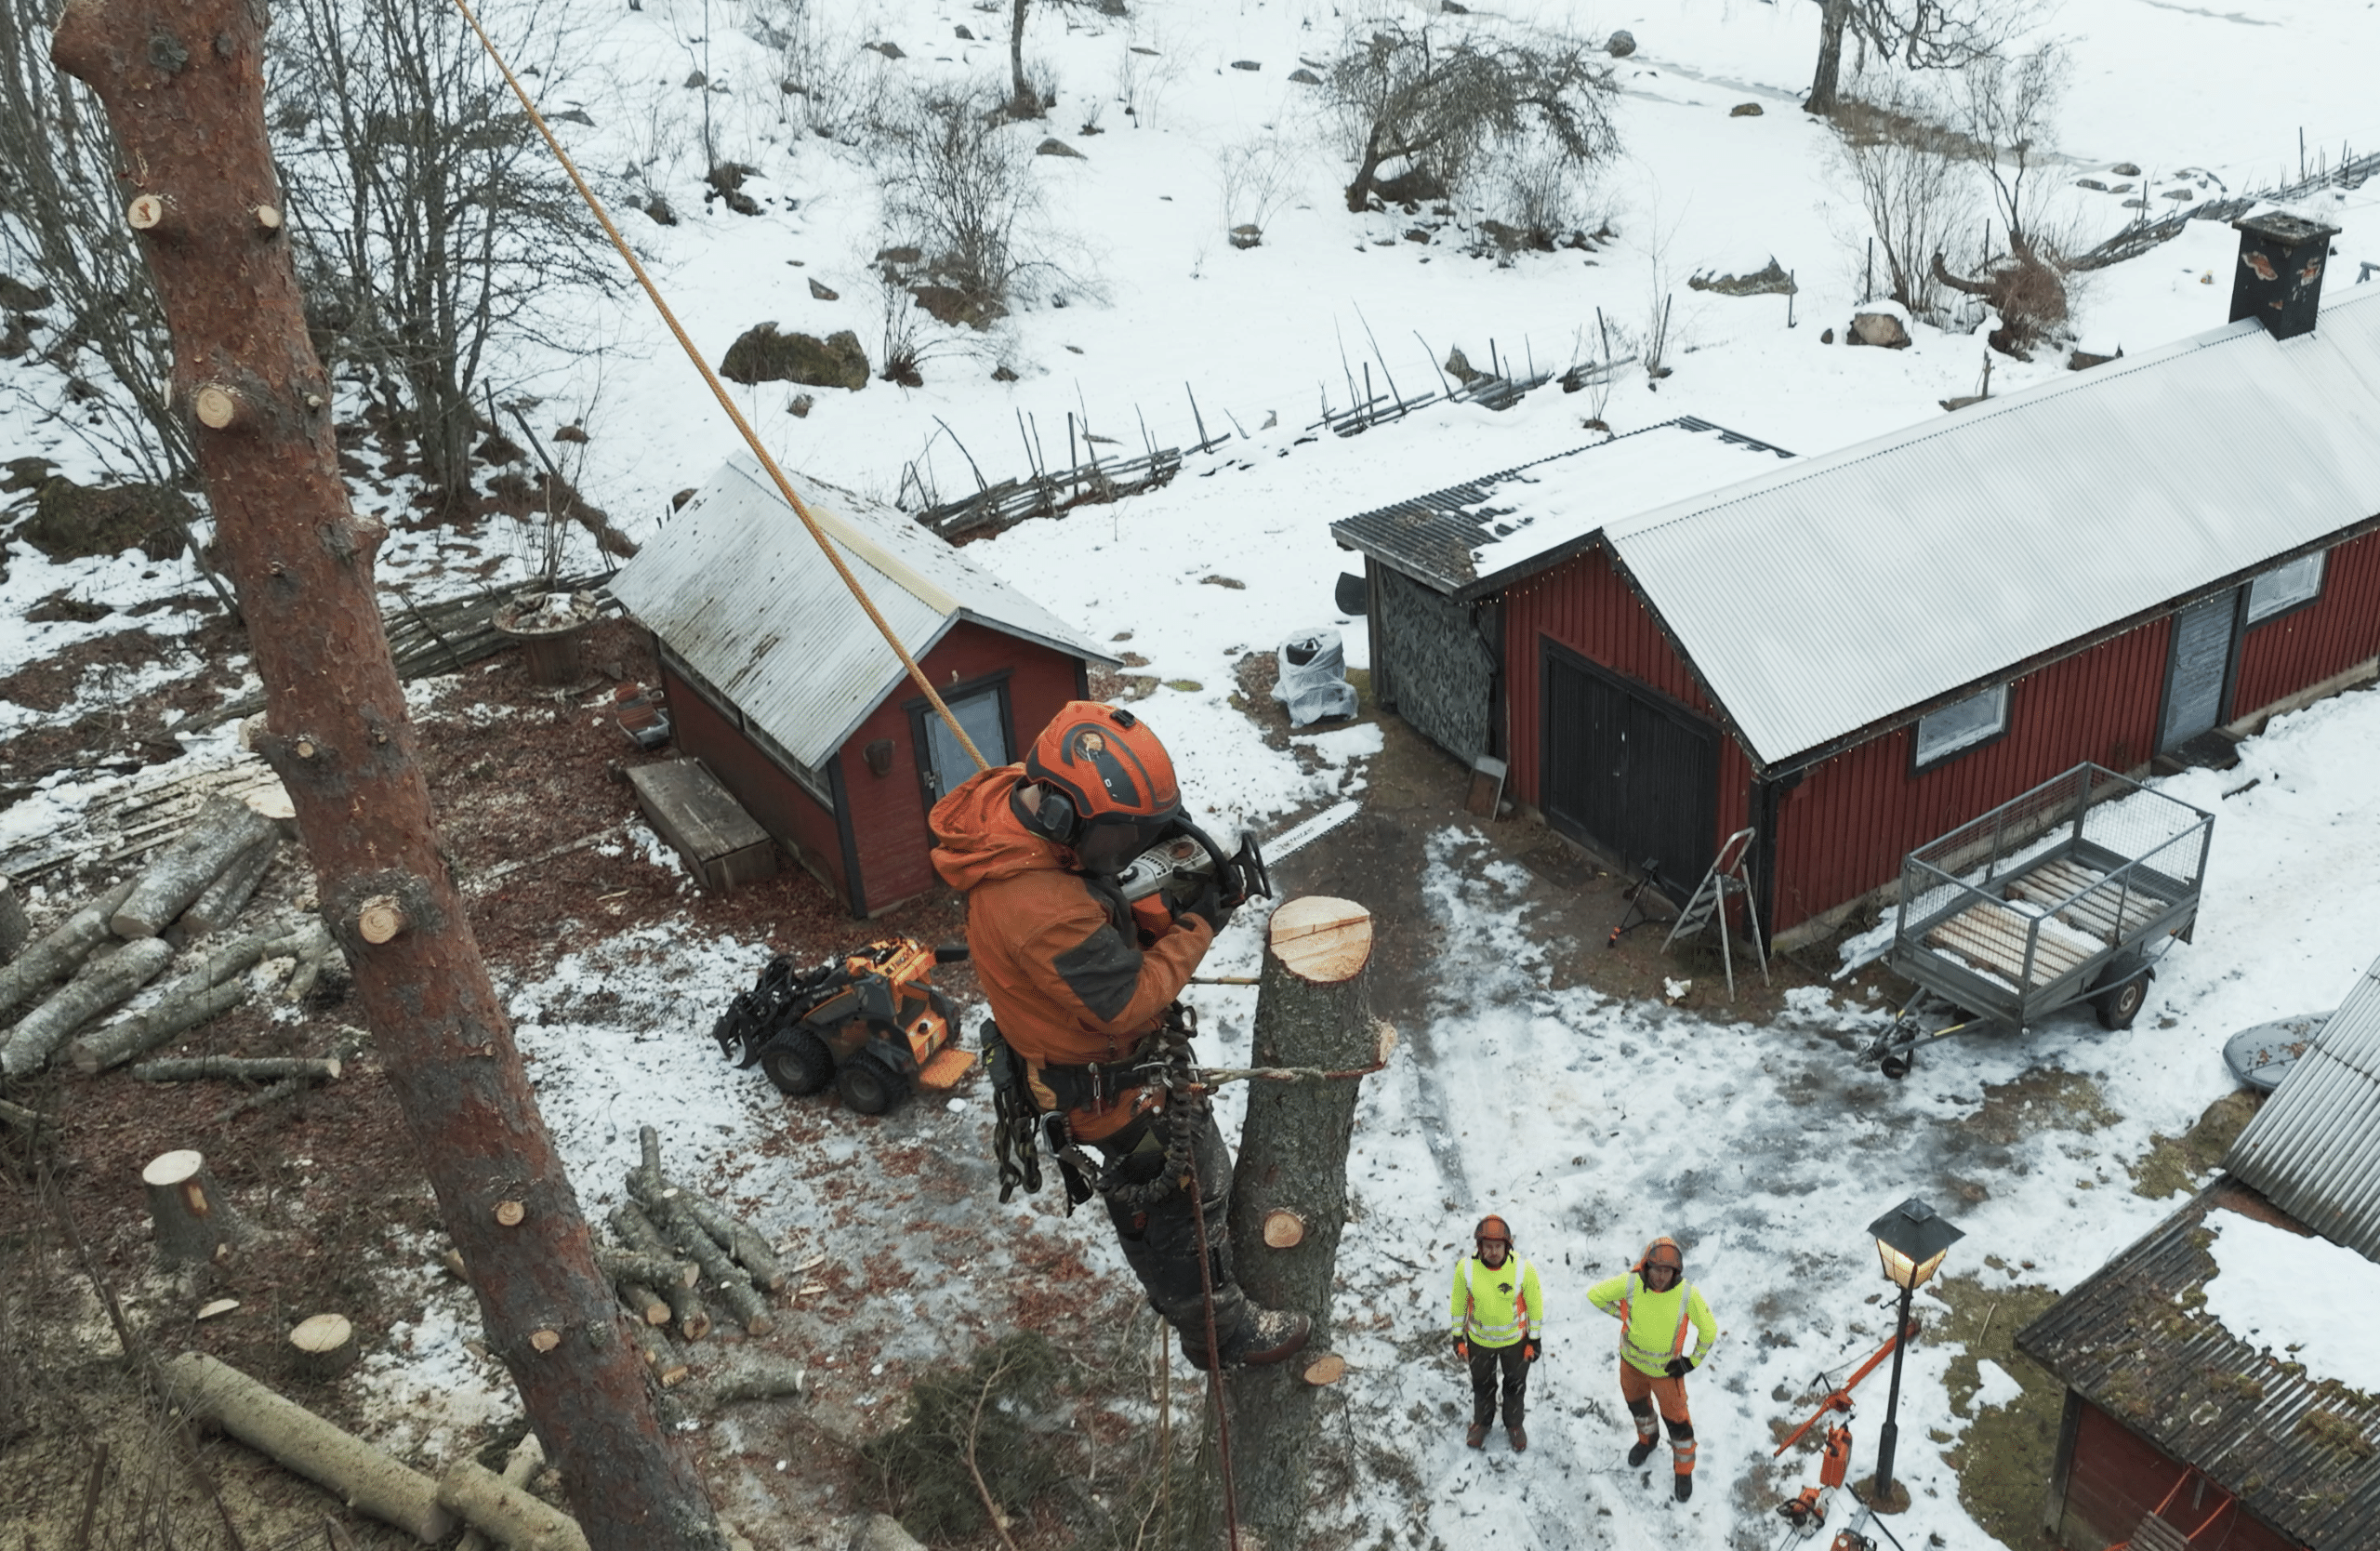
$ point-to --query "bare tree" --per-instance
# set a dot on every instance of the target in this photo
(2006, 109)
(183, 89)
(436, 229)
(1910, 174)
(1408, 95)
(1919, 34)
(958, 184)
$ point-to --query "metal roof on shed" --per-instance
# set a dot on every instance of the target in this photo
(738, 588)
(2135, 1342)
(1846, 590)
(1471, 540)
(2314, 1147)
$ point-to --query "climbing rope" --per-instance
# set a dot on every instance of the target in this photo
(719, 390)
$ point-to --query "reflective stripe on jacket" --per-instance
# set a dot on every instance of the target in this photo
(1653, 1325)
(1496, 1306)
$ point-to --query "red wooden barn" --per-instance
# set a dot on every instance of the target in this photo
(784, 691)
(1676, 634)
(2181, 1429)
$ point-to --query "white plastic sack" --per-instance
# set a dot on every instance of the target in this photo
(1313, 677)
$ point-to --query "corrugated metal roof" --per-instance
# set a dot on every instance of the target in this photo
(2137, 1342)
(1471, 540)
(1844, 591)
(736, 587)
(2315, 1146)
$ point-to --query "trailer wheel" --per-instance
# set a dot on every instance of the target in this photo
(868, 1086)
(797, 1063)
(1897, 1063)
(2119, 1005)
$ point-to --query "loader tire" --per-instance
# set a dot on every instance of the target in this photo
(869, 1087)
(798, 1063)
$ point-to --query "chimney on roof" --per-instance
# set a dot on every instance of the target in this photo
(2278, 282)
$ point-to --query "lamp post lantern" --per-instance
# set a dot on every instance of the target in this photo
(1910, 1240)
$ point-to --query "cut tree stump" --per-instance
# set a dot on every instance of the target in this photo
(322, 1347)
(1311, 1013)
(506, 1512)
(358, 1474)
(56, 956)
(519, 1465)
(13, 928)
(242, 1068)
(104, 984)
(192, 1222)
(224, 827)
(220, 903)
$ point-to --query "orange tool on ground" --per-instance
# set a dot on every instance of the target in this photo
(1808, 1513)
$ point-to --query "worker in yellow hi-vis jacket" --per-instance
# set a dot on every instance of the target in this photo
(1655, 1307)
(1499, 1317)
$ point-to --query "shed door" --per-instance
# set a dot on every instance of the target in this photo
(945, 762)
(1629, 771)
(2199, 671)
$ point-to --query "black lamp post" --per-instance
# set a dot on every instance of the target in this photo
(1911, 1240)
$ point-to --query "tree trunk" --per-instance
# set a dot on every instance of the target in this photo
(366, 1479)
(56, 956)
(1022, 102)
(1311, 1011)
(184, 89)
(1823, 94)
(103, 986)
(223, 831)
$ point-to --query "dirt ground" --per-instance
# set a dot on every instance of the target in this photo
(332, 1189)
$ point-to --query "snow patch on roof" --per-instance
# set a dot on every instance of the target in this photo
(2306, 1299)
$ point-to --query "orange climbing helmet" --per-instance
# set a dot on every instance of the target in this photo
(1107, 785)
(1492, 1226)
(1663, 1252)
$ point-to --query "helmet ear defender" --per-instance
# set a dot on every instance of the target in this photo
(1057, 816)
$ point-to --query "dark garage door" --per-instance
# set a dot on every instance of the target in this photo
(1629, 771)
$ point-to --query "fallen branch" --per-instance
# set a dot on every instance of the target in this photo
(101, 988)
(749, 1248)
(56, 956)
(18, 1116)
(652, 1270)
(505, 1511)
(206, 990)
(224, 827)
(633, 1229)
(734, 1288)
(519, 1465)
(244, 1068)
(758, 1377)
(274, 1093)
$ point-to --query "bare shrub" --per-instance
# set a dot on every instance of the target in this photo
(2007, 110)
(826, 79)
(1908, 172)
(1536, 192)
(1256, 175)
(1434, 100)
(958, 184)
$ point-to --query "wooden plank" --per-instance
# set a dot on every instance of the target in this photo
(1995, 935)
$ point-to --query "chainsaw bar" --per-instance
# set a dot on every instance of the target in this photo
(1306, 832)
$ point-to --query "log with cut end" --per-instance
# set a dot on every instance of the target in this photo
(323, 1347)
(18, 1116)
(647, 1307)
(224, 827)
(56, 955)
(272, 1093)
(751, 1250)
(668, 1367)
(735, 1288)
(633, 1228)
(242, 1068)
(1323, 1368)
(645, 1181)
(754, 1376)
(221, 901)
(192, 1220)
(13, 928)
(209, 988)
(358, 1474)
(103, 986)
(507, 1513)
(519, 1465)
(653, 1270)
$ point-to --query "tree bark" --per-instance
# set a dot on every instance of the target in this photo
(223, 832)
(505, 1511)
(1022, 102)
(1312, 1012)
(192, 1220)
(239, 1068)
(360, 1474)
(13, 927)
(221, 901)
(101, 988)
(183, 87)
(519, 1465)
(1824, 84)
(56, 956)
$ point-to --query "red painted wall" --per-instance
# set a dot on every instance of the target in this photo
(1844, 829)
(776, 801)
(2333, 633)
(1583, 604)
(889, 811)
(2117, 1476)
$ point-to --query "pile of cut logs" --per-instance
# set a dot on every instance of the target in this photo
(103, 955)
(673, 1243)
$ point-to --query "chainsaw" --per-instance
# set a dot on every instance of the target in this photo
(1178, 866)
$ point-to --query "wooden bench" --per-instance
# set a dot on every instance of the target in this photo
(723, 845)
(1993, 935)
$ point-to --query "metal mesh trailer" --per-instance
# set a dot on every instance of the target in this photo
(2065, 893)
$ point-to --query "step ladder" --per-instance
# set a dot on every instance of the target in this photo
(1730, 874)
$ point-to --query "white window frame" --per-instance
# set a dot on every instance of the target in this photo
(1948, 738)
(2287, 587)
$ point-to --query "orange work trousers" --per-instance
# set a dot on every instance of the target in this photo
(1636, 1388)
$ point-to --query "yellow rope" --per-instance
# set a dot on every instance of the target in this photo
(719, 390)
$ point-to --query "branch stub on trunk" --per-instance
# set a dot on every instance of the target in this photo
(511, 1213)
(146, 213)
(1283, 1228)
(546, 1341)
(379, 919)
(1328, 1368)
(218, 406)
(268, 222)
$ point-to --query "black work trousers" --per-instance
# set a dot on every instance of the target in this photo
(1160, 1237)
(1485, 1363)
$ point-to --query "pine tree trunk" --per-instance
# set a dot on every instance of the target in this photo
(1021, 101)
(183, 86)
(1823, 85)
(1311, 1011)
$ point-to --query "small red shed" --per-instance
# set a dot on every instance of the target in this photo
(779, 683)
(1679, 633)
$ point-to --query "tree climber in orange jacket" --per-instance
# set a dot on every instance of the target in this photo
(1657, 1307)
(1078, 981)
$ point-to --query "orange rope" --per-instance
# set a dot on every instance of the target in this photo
(719, 390)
